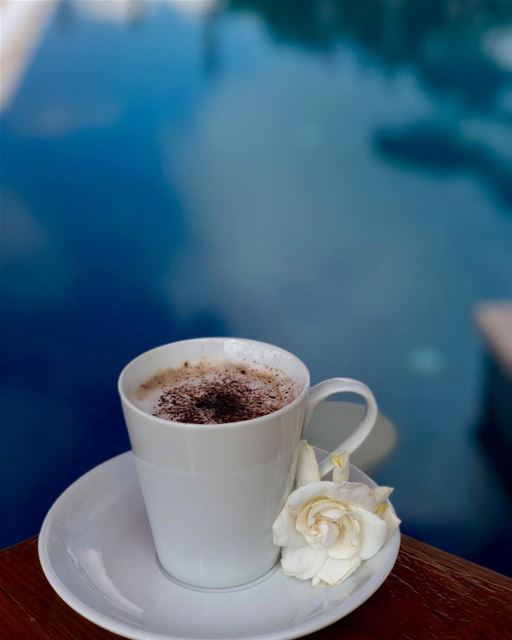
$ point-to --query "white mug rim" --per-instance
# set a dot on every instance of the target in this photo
(225, 425)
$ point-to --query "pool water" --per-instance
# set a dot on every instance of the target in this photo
(331, 177)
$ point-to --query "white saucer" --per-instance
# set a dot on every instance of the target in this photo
(96, 551)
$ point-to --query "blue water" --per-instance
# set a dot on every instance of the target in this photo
(331, 177)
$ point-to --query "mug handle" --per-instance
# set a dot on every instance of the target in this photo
(336, 385)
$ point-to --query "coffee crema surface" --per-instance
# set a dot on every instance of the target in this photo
(216, 392)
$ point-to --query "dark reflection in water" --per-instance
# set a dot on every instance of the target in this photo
(443, 39)
(438, 147)
(456, 48)
(333, 177)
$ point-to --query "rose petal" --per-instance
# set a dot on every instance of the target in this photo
(329, 532)
(362, 495)
(310, 519)
(348, 543)
(303, 562)
(334, 571)
(298, 498)
(317, 508)
(348, 492)
(374, 532)
(391, 520)
(307, 466)
(284, 530)
(381, 494)
(333, 513)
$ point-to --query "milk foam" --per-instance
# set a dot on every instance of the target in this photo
(212, 392)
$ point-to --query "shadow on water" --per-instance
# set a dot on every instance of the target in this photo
(437, 147)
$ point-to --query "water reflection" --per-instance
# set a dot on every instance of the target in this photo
(459, 50)
(401, 31)
(445, 147)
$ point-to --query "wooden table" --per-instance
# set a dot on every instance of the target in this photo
(429, 594)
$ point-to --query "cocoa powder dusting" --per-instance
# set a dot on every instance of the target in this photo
(218, 394)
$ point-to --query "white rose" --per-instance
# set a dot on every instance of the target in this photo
(328, 528)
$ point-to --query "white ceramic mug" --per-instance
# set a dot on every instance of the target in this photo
(212, 492)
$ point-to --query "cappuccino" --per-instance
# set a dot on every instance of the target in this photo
(209, 392)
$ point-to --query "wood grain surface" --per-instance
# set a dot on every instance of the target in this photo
(430, 594)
